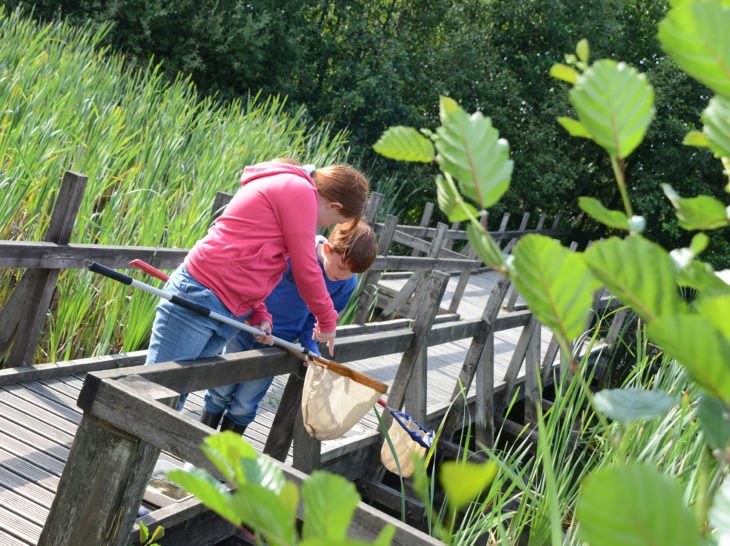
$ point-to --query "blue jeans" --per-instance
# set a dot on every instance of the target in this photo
(240, 401)
(180, 334)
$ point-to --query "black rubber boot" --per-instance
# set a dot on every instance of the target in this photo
(233, 427)
(210, 419)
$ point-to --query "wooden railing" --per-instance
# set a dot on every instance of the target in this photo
(23, 314)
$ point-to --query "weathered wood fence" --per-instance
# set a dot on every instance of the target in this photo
(127, 408)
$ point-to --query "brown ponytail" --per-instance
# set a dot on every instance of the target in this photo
(345, 185)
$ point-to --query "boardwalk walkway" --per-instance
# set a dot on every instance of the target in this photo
(38, 419)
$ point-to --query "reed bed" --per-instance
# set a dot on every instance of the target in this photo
(155, 153)
(535, 491)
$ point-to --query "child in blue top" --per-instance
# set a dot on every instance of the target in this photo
(347, 251)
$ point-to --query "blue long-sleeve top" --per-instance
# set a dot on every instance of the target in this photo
(291, 317)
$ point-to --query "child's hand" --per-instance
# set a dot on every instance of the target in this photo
(325, 337)
(267, 339)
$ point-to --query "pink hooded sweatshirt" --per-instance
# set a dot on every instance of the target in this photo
(272, 216)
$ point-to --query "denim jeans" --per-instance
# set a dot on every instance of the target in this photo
(241, 401)
(181, 334)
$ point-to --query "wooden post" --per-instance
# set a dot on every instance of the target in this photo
(425, 315)
(220, 201)
(611, 339)
(103, 480)
(307, 450)
(425, 220)
(533, 397)
(416, 281)
(464, 277)
(373, 204)
(370, 280)
(474, 356)
(23, 316)
(510, 376)
(484, 419)
(512, 299)
(282, 427)
(449, 244)
(415, 399)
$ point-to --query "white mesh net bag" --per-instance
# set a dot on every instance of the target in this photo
(405, 449)
(333, 403)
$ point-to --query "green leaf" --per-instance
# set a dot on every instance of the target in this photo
(700, 276)
(715, 421)
(289, 498)
(634, 505)
(582, 50)
(144, 533)
(564, 72)
(615, 103)
(555, 283)
(595, 209)
(716, 119)
(225, 450)
(158, 534)
(574, 127)
(463, 481)
(699, 244)
(329, 504)
(263, 471)
(696, 138)
(701, 212)
(208, 489)
(451, 202)
(405, 144)
(699, 347)
(716, 310)
(447, 105)
(485, 247)
(627, 405)
(261, 509)
(695, 36)
(621, 265)
(470, 150)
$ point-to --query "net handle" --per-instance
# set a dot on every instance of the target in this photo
(204, 311)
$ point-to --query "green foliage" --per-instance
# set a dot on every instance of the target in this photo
(612, 218)
(463, 481)
(615, 509)
(627, 405)
(405, 144)
(629, 503)
(542, 270)
(615, 104)
(266, 503)
(144, 535)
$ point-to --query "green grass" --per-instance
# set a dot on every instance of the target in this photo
(155, 154)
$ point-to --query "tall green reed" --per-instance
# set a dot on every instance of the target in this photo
(155, 154)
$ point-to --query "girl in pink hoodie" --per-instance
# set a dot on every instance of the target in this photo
(272, 217)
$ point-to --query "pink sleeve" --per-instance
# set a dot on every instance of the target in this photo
(260, 314)
(299, 225)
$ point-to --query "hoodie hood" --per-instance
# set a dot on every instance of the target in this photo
(272, 168)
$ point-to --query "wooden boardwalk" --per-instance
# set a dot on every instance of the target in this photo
(38, 419)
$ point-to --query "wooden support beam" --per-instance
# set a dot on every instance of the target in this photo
(533, 395)
(484, 414)
(372, 206)
(104, 478)
(425, 220)
(23, 318)
(220, 201)
(369, 283)
(281, 433)
(474, 354)
(518, 356)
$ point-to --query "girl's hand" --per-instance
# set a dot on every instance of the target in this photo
(267, 339)
(325, 337)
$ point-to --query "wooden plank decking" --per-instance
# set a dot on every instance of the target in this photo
(38, 419)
